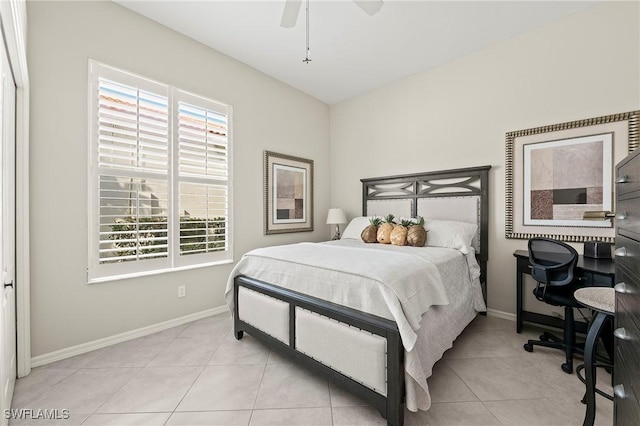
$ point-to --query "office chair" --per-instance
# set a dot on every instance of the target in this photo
(552, 266)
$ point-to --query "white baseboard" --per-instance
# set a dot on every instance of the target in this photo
(501, 314)
(82, 348)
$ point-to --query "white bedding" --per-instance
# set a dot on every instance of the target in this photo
(432, 293)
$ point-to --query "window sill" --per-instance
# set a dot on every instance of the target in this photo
(100, 280)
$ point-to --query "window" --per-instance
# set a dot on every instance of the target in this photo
(159, 177)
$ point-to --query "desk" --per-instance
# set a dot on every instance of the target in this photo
(592, 272)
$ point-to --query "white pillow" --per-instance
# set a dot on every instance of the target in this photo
(355, 227)
(451, 234)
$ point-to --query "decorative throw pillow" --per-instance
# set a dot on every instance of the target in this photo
(417, 234)
(370, 233)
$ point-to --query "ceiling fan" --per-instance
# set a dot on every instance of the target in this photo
(292, 10)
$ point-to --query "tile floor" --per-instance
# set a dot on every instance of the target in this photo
(198, 374)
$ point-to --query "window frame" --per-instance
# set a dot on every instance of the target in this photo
(102, 272)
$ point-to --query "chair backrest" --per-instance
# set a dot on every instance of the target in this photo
(552, 262)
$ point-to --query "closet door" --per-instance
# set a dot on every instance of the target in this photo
(7, 231)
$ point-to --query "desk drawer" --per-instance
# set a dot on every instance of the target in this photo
(627, 407)
(629, 173)
(627, 338)
(627, 254)
(629, 294)
(628, 217)
(591, 279)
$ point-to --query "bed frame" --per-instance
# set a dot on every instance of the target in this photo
(393, 193)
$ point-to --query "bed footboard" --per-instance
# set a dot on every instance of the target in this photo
(359, 352)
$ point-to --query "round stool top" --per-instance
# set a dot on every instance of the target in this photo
(602, 299)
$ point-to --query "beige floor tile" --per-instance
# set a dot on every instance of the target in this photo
(292, 417)
(549, 412)
(134, 353)
(485, 322)
(342, 398)
(276, 357)
(85, 390)
(548, 373)
(446, 386)
(356, 416)
(172, 332)
(285, 386)
(78, 361)
(452, 414)
(466, 346)
(212, 327)
(210, 418)
(152, 389)
(488, 343)
(73, 420)
(493, 379)
(248, 350)
(185, 352)
(231, 387)
(37, 383)
(131, 419)
(507, 343)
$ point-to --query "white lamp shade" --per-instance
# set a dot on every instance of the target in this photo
(336, 217)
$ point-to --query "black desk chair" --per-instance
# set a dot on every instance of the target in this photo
(552, 266)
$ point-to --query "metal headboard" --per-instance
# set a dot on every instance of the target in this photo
(466, 182)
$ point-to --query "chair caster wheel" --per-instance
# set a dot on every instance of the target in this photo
(544, 338)
(567, 368)
(528, 347)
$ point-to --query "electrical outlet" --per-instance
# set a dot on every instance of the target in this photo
(182, 291)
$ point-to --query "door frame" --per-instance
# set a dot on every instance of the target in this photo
(13, 19)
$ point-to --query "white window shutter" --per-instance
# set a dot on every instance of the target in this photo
(203, 178)
(160, 177)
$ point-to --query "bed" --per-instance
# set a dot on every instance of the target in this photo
(362, 315)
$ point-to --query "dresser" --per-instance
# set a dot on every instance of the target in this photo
(627, 317)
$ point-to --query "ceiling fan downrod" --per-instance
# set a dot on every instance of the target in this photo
(306, 60)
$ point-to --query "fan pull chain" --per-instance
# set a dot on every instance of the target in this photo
(307, 59)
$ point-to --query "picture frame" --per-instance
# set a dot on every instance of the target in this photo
(288, 193)
(555, 173)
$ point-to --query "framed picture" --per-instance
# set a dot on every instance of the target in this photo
(556, 173)
(288, 193)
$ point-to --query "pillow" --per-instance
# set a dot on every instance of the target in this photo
(355, 228)
(451, 234)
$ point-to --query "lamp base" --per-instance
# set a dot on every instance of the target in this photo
(337, 234)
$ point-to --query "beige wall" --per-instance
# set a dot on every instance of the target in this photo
(457, 115)
(268, 114)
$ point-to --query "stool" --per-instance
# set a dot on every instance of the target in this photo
(602, 300)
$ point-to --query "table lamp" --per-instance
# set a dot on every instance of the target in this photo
(336, 217)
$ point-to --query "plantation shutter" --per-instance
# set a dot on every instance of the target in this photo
(133, 128)
(160, 177)
(203, 177)
(131, 131)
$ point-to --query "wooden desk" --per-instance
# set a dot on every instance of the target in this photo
(593, 272)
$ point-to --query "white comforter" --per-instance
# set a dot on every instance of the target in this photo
(393, 281)
(397, 283)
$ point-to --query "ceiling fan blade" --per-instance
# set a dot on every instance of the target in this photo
(290, 13)
(371, 7)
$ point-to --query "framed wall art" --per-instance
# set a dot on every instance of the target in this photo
(556, 173)
(288, 194)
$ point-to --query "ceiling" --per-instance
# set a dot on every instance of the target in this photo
(351, 51)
